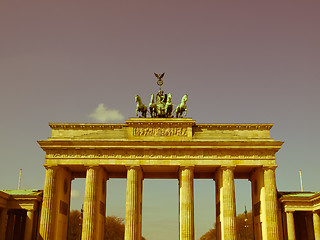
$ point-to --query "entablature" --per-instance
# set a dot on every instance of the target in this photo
(161, 129)
(302, 201)
(152, 140)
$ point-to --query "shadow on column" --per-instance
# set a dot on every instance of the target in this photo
(303, 225)
(16, 224)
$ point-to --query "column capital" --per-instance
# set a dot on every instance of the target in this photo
(289, 211)
(54, 167)
(133, 167)
(92, 166)
(272, 167)
(191, 167)
(228, 167)
(137, 168)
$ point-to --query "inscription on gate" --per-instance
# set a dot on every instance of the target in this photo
(160, 132)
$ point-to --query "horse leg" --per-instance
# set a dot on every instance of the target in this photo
(145, 109)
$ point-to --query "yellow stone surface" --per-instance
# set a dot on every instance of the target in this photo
(163, 148)
(300, 214)
(13, 205)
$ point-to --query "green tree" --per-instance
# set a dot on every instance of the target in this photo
(210, 235)
(74, 226)
(244, 228)
(114, 228)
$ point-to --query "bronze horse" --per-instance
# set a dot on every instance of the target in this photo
(141, 107)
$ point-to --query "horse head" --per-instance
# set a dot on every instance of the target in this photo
(137, 99)
(184, 98)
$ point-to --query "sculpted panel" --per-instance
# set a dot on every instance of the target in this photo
(150, 154)
(160, 132)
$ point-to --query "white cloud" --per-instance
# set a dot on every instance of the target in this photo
(103, 114)
(75, 194)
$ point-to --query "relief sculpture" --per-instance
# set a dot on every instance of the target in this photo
(160, 132)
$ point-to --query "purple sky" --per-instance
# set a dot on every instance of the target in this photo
(239, 61)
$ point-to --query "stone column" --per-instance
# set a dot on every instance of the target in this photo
(271, 204)
(89, 204)
(18, 226)
(290, 226)
(133, 203)
(228, 204)
(186, 203)
(46, 220)
(316, 225)
(10, 225)
(3, 223)
(140, 203)
(29, 225)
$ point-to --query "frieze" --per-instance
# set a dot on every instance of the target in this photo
(159, 154)
(160, 132)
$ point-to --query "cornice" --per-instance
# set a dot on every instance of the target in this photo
(85, 126)
(298, 199)
(4, 195)
(236, 126)
(161, 122)
(27, 204)
(96, 143)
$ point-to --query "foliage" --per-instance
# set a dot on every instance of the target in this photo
(114, 228)
(74, 227)
(210, 235)
(244, 228)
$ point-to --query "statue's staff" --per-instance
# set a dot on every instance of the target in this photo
(160, 81)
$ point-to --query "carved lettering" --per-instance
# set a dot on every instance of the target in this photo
(160, 132)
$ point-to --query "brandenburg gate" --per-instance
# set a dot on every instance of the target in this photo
(161, 147)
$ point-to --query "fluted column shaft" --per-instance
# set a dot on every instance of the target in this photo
(89, 204)
(290, 226)
(3, 223)
(316, 225)
(186, 203)
(133, 204)
(228, 205)
(271, 205)
(46, 220)
(29, 225)
(10, 225)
